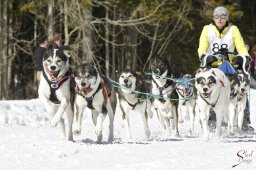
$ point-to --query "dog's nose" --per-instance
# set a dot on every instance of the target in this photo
(205, 89)
(125, 81)
(53, 67)
(242, 89)
(83, 84)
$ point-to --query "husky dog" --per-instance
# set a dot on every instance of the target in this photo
(242, 97)
(166, 97)
(234, 83)
(130, 100)
(95, 92)
(213, 93)
(55, 90)
(187, 97)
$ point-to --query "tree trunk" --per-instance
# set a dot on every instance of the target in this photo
(66, 35)
(1, 45)
(50, 19)
(10, 54)
(107, 43)
(114, 48)
(4, 71)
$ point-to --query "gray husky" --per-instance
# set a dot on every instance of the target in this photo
(95, 92)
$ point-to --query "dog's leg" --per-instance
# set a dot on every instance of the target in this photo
(160, 118)
(204, 115)
(111, 123)
(63, 105)
(180, 117)
(50, 109)
(240, 115)
(219, 118)
(175, 120)
(95, 114)
(232, 112)
(99, 125)
(62, 128)
(78, 119)
(167, 125)
(191, 110)
(127, 124)
(145, 121)
(70, 118)
(148, 109)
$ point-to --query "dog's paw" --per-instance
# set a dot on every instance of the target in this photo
(77, 132)
(99, 139)
(110, 138)
(180, 118)
(150, 113)
(54, 122)
(147, 133)
(98, 131)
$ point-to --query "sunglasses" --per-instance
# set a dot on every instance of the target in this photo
(220, 16)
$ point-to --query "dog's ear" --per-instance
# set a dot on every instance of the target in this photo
(200, 80)
(138, 73)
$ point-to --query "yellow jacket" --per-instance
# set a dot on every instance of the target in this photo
(237, 39)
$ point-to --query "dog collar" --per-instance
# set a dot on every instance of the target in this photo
(213, 105)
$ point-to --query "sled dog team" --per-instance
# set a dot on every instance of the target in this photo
(211, 91)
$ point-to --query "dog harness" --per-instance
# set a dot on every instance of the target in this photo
(183, 96)
(161, 89)
(89, 100)
(122, 97)
(55, 86)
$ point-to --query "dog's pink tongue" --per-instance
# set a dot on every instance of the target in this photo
(53, 74)
(87, 90)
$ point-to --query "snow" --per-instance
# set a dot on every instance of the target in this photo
(28, 142)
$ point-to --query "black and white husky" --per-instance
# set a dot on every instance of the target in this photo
(165, 94)
(131, 97)
(242, 98)
(232, 110)
(95, 92)
(213, 88)
(187, 98)
(55, 90)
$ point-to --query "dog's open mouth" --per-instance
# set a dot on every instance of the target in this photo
(242, 94)
(206, 95)
(128, 86)
(53, 74)
(87, 89)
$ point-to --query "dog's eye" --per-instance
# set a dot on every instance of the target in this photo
(122, 76)
(48, 61)
(130, 75)
(89, 76)
(78, 77)
(210, 82)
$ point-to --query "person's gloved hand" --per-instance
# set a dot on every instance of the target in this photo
(207, 60)
(243, 62)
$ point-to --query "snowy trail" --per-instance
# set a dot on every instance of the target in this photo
(28, 142)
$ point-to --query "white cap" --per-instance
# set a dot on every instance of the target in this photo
(221, 11)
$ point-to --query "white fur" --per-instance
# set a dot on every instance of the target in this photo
(220, 93)
(143, 107)
(97, 116)
(56, 111)
(167, 112)
(232, 110)
(189, 105)
(242, 97)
